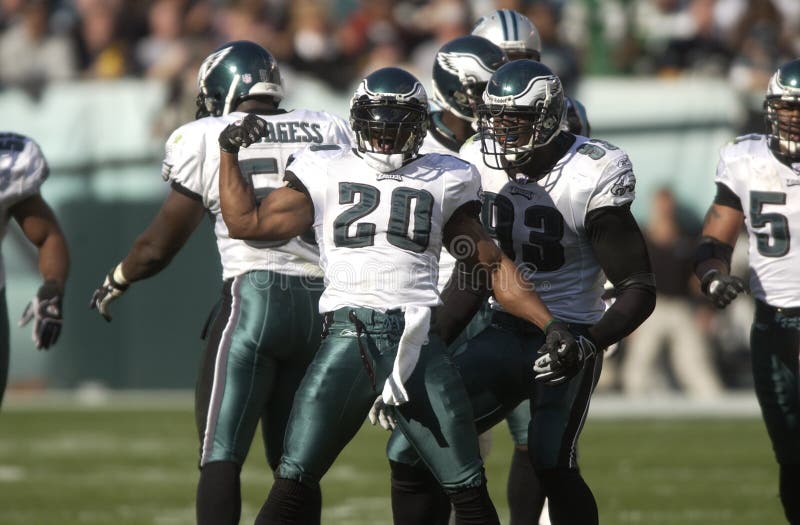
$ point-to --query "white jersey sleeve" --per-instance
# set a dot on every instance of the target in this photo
(616, 185)
(23, 168)
(462, 187)
(309, 166)
(184, 159)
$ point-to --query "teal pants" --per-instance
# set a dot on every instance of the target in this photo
(775, 344)
(342, 383)
(263, 337)
(497, 368)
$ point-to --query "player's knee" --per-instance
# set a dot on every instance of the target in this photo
(291, 471)
(408, 478)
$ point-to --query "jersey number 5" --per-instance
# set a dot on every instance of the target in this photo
(775, 242)
(397, 231)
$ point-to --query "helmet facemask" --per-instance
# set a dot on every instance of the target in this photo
(388, 127)
(783, 126)
(510, 134)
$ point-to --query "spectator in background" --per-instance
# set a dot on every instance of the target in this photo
(672, 322)
(559, 56)
(30, 54)
(104, 50)
(371, 24)
(702, 50)
(761, 44)
(163, 53)
(315, 49)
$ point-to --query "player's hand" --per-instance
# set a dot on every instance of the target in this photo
(562, 357)
(381, 413)
(102, 297)
(242, 133)
(721, 288)
(45, 311)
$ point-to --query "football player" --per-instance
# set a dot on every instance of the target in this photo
(24, 169)
(267, 327)
(519, 38)
(758, 185)
(559, 205)
(381, 214)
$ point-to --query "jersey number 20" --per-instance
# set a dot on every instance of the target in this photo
(397, 232)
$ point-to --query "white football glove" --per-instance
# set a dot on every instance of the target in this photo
(113, 286)
(382, 413)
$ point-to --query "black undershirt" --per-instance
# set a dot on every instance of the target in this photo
(620, 249)
(726, 197)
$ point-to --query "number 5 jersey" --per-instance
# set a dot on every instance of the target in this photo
(541, 224)
(769, 194)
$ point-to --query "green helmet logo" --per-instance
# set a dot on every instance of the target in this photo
(463, 67)
(782, 107)
(235, 72)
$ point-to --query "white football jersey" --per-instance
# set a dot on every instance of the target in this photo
(23, 169)
(380, 234)
(192, 162)
(770, 195)
(447, 263)
(540, 224)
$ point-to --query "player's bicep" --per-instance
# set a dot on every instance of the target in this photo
(723, 224)
(285, 213)
(35, 218)
(467, 240)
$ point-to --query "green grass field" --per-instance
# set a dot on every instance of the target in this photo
(136, 466)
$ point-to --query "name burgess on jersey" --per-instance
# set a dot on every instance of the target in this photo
(191, 164)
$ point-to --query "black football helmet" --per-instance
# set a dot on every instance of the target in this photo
(389, 113)
(460, 72)
(782, 112)
(234, 72)
(523, 110)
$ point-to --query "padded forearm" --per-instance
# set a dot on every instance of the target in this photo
(631, 308)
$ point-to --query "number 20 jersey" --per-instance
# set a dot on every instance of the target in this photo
(540, 224)
(192, 162)
(770, 195)
(380, 234)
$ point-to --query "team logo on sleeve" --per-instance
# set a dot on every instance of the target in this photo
(626, 183)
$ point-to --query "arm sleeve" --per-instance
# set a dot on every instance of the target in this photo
(620, 250)
(26, 171)
(183, 162)
(463, 187)
(617, 183)
(726, 197)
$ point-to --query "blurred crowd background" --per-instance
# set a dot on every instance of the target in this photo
(632, 62)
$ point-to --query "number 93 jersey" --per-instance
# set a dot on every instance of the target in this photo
(380, 234)
(540, 224)
(769, 192)
(23, 170)
(191, 164)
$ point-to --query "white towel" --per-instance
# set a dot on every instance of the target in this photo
(415, 335)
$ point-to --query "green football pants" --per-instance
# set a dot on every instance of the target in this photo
(775, 344)
(265, 333)
(341, 385)
(497, 368)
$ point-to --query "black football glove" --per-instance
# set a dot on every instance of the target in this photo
(107, 292)
(242, 133)
(562, 356)
(45, 311)
(721, 288)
